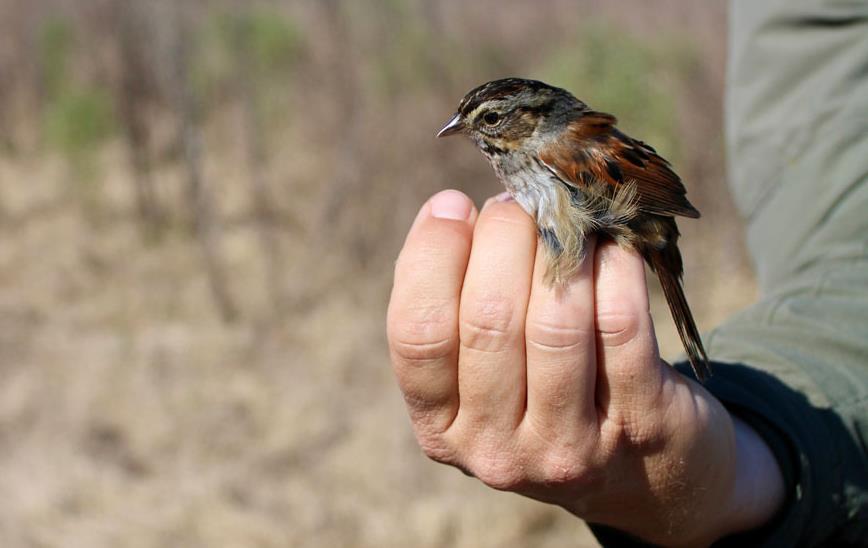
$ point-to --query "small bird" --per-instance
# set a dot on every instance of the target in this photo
(576, 174)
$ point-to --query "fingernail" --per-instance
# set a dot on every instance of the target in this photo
(451, 204)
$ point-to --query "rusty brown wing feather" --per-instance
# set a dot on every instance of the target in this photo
(592, 148)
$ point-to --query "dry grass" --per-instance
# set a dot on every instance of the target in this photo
(130, 415)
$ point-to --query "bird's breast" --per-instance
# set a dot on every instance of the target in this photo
(533, 186)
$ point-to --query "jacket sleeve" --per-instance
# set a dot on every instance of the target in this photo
(795, 364)
(797, 136)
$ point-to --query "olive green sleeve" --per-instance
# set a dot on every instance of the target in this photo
(797, 135)
(795, 364)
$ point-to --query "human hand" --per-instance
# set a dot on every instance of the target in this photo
(560, 395)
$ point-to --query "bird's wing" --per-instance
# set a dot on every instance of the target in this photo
(593, 149)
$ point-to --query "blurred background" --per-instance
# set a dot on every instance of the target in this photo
(200, 208)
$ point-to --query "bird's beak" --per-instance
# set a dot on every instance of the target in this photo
(453, 126)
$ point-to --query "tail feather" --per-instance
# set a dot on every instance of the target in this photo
(667, 264)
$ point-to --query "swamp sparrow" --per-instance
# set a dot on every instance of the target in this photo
(576, 174)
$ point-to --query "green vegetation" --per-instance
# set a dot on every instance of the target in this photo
(54, 44)
(272, 41)
(613, 72)
(268, 43)
(77, 121)
(405, 62)
(77, 117)
(259, 45)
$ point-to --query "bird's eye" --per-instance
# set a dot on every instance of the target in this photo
(491, 118)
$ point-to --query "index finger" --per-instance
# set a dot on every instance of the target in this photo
(422, 322)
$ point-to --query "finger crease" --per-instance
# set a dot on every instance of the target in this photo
(424, 351)
(556, 347)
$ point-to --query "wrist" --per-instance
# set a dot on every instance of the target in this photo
(758, 492)
(748, 483)
(743, 484)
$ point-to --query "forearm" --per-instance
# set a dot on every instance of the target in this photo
(758, 492)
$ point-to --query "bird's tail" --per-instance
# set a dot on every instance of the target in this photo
(667, 264)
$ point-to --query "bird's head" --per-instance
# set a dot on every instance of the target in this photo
(502, 115)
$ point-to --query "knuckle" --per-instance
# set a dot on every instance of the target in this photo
(499, 472)
(613, 432)
(430, 416)
(629, 429)
(617, 328)
(486, 324)
(434, 447)
(546, 335)
(562, 459)
(644, 434)
(425, 333)
(563, 467)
